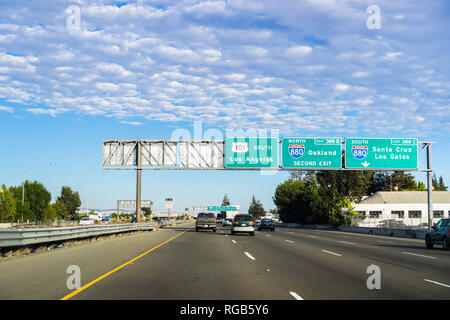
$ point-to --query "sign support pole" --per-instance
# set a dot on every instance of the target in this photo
(430, 187)
(118, 213)
(138, 181)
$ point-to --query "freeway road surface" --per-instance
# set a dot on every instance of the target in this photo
(179, 263)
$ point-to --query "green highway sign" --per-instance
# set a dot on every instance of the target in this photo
(222, 208)
(311, 153)
(377, 153)
(251, 153)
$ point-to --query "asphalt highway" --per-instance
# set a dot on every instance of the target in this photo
(179, 263)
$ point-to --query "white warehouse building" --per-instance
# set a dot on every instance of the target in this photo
(401, 209)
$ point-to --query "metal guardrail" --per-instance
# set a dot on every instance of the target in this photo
(171, 222)
(400, 233)
(23, 237)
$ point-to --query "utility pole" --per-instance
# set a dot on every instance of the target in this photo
(138, 181)
(429, 186)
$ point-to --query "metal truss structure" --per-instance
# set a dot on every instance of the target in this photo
(163, 155)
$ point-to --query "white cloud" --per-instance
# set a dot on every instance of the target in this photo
(298, 51)
(107, 86)
(51, 112)
(7, 109)
(393, 55)
(360, 74)
(132, 123)
(341, 87)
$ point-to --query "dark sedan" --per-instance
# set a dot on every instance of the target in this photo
(266, 224)
(439, 234)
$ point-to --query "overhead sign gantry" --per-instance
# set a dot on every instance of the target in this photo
(258, 153)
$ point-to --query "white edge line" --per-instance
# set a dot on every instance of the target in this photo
(336, 254)
(289, 241)
(296, 296)
(249, 255)
(233, 241)
(435, 282)
(346, 242)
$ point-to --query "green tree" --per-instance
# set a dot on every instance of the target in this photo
(71, 201)
(225, 202)
(256, 208)
(438, 185)
(300, 202)
(36, 199)
(336, 185)
(403, 180)
(337, 218)
(421, 186)
(146, 211)
(442, 186)
(60, 210)
(49, 213)
(7, 205)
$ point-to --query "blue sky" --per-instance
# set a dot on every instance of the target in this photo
(142, 69)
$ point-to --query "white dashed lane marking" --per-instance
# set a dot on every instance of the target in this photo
(296, 296)
(333, 253)
(249, 255)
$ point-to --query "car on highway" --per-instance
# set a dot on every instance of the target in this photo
(206, 221)
(227, 222)
(105, 221)
(243, 223)
(86, 221)
(439, 234)
(265, 223)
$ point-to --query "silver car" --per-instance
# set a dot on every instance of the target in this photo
(227, 222)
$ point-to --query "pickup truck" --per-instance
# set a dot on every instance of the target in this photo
(206, 221)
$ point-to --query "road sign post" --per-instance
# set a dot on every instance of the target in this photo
(168, 206)
(311, 153)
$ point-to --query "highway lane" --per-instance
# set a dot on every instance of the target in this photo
(197, 265)
(323, 265)
(43, 275)
(179, 263)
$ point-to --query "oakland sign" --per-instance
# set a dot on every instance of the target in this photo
(311, 153)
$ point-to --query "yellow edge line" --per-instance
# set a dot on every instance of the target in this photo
(70, 295)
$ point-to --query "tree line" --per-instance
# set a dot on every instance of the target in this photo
(37, 204)
(317, 197)
(256, 209)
